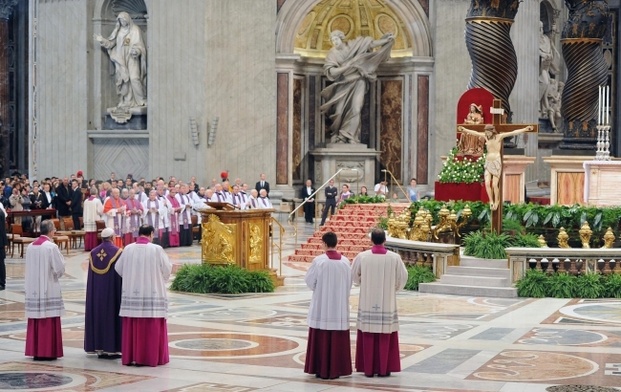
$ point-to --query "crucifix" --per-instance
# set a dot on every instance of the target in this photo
(493, 134)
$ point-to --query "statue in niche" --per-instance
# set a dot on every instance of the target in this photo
(548, 65)
(127, 51)
(350, 66)
(555, 92)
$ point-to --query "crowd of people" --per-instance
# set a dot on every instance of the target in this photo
(125, 204)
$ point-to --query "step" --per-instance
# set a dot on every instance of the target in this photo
(473, 291)
(483, 281)
(478, 271)
(469, 261)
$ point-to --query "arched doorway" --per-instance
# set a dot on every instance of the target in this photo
(395, 114)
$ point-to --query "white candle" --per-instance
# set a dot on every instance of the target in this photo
(599, 105)
(605, 104)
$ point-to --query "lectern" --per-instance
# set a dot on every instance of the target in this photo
(240, 237)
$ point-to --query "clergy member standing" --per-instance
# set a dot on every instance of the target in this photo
(43, 299)
(93, 209)
(102, 323)
(380, 274)
(328, 353)
(145, 269)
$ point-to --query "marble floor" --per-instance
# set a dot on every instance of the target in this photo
(257, 342)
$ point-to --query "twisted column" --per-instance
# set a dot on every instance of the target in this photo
(488, 40)
(586, 70)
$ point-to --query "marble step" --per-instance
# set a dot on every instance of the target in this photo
(472, 291)
(469, 280)
(469, 261)
(478, 271)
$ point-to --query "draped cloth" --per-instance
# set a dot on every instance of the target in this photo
(102, 324)
(344, 97)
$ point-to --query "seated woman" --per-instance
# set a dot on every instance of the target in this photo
(364, 191)
(345, 193)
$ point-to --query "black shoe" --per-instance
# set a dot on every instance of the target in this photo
(44, 358)
(384, 375)
(109, 356)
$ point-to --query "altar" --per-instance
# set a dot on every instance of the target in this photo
(602, 181)
(240, 237)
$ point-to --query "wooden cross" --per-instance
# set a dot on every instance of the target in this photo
(493, 163)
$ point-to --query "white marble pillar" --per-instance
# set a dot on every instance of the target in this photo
(524, 99)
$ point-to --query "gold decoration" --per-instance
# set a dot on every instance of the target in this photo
(218, 241)
(609, 238)
(102, 254)
(585, 234)
(542, 241)
(256, 244)
(562, 238)
(371, 18)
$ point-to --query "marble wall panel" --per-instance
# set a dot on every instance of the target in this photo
(282, 137)
(296, 137)
(422, 131)
(391, 126)
(61, 91)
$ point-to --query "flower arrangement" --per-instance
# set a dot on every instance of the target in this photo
(464, 169)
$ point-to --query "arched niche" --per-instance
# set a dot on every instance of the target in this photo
(103, 92)
(396, 107)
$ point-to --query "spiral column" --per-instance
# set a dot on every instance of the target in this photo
(488, 40)
(586, 70)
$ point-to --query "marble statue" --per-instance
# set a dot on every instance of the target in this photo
(127, 51)
(548, 61)
(350, 66)
(555, 92)
(493, 160)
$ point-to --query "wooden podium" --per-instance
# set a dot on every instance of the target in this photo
(240, 237)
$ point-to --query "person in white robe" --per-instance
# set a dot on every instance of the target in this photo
(380, 274)
(328, 353)
(43, 298)
(154, 212)
(93, 210)
(263, 201)
(145, 269)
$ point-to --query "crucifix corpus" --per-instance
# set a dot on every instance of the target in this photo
(493, 134)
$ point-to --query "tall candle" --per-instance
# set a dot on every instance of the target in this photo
(600, 105)
(606, 105)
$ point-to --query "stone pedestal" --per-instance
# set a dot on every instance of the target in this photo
(357, 162)
(567, 179)
(514, 177)
(602, 183)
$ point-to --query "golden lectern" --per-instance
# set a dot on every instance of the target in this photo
(240, 237)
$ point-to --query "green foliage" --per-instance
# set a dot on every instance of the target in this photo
(361, 199)
(612, 286)
(512, 225)
(462, 169)
(231, 279)
(486, 245)
(418, 274)
(526, 240)
(589, 286)
(533, 284)
(561, 285)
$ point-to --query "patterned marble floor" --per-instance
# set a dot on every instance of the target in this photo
(257, 342)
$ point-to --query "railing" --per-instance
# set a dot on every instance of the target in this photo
(281, 234)
(431, 254)
(571, 260)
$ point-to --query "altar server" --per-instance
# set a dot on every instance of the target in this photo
(145, 269)
(185, 216)
(328, 353)
(154, 214)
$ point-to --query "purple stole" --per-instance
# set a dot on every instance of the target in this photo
(174, 216)
(220, 196)
(185, 212)
(236, 198)
(263, 201)
(118, 218)
(254, 202)
(134, 221)
(244, 197)
(156, 226)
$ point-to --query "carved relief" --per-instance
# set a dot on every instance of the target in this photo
(353, 171)
(256, 243)
(218, 241)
